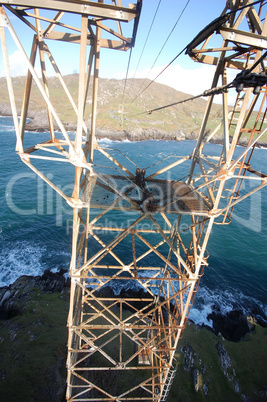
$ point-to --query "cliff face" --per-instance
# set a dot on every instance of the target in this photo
(112, 116)
(33, 337)
(116, 121)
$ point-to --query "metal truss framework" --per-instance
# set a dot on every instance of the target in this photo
(122, 347)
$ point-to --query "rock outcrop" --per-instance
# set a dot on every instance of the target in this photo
(12, 297)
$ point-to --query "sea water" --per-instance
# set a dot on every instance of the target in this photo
(36, 223)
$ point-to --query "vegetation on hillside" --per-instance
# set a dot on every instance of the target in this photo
(33, 338)
(111, 113)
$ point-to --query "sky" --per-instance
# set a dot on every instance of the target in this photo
(184, 74)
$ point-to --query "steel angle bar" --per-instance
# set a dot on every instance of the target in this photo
(43, 71)
(149, 344)
(122, 153)
(248, 148)
(111, 252)
(64, 86)
(218, 212)
(246, 38)
(180, 259)
(95, 347)
(43, 147)
(18, 15)
(209, 189)
(102, 10)
(105, 308)
(172, 165)
(19, 145)
(81, 84)
(142, 256)
(111, 31)
(215, 167)
(255, 20)
(25, 155)
(27, 90)
(37, 81)
(42, 176)
(154, 249)
(53, 23)
(117, 229)
(259, 177)
(91, 386)
(123, 168)
(47, 32)
(141, 385)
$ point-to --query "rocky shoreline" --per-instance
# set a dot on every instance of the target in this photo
(38, 123)
(233, 326)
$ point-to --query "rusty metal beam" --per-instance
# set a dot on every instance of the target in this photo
(100, 10)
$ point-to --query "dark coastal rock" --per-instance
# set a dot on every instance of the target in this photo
(196, 379)
(13, 296)
(258, 316)
(105, 292)
(189, 357)
(233, 326)
(224, 357)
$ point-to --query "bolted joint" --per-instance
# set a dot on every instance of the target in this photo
(3, 18)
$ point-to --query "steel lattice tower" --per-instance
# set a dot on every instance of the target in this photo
(121, 348)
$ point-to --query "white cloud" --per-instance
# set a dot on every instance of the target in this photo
(17, 65)
(193, 81)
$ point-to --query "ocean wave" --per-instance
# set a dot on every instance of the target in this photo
(110, 141)
(26, 258)
(4, 128)
(224, 301)
(20, 258)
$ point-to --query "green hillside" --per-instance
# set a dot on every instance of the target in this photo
(111, 114)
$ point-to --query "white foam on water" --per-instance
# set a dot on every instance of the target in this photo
(199, 316)
(21, 258)
(106, 140)
(25, 258)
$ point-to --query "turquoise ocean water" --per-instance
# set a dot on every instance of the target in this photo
(35, 224)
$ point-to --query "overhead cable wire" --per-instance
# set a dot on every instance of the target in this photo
(213, 91)
(164, 44)
(129, 60)
(148, 34)
(127, 72)
(219, 19)
(165, 68)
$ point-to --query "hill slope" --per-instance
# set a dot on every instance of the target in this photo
(181, 120)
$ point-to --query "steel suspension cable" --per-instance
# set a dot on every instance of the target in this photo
(186, 48)
(212, 91)
(165, 68)
(127, 72)
(164, 44)
(148, 34)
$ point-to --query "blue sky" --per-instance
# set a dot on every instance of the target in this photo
(184, 74)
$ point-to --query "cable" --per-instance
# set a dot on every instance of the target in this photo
(151, 25)
(129, 60)
(212, 91)
(164, 44)
(241, 77)
(221, 19)
(125, 82)
(176, 57)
